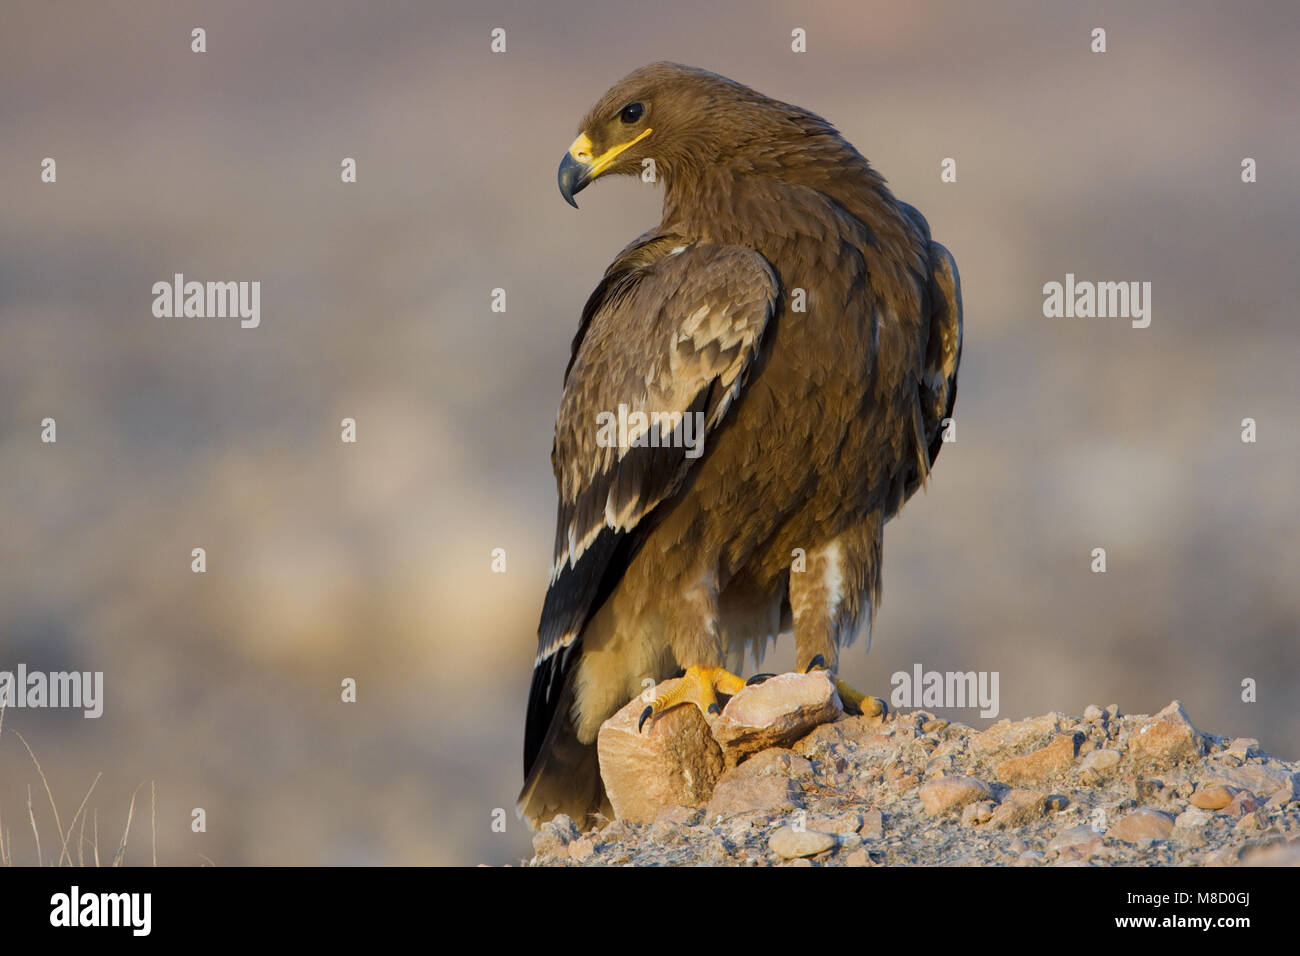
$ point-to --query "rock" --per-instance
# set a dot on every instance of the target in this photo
(843, 824)
(742, 828)
(715, 853)
(1147, 790)
(741, 793)
(1018, 808)
(618, 830)
(873, 825)
(1244, 747)
(1005, 735)
(791, 843)
(1193, 817)
(945, 794)
(1092, 713)
(902, 778)
(1100, 761)
(1250, 823)
(674, 761)
(1050, 761)
(1214, 796)
(776, 713)
(1081, 853)
(1074, 836)
(1241, 804)
(1285, 794)
(555, 834)
(1141, 826)
(776, 762)
(1262, 779)
(858, 731)
(974, 814)
(666, 833)
(582, 848)
(1167, 738)
(939, 766)
(824, 798)
(686, 816)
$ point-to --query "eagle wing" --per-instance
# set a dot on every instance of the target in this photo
(673, 329)
(943, 349)
(937, 378)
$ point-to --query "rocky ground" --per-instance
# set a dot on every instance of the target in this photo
(784, 778)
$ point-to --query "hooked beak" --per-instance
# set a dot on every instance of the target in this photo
(573, 178)
(580, 164)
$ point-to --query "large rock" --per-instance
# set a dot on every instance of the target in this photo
(673, 761)
(763, 784)
(1264, 780)
(1167, 738)
(678, 759)
(734, 796)
(1043, 764)
(1005, 735)
(775, 713)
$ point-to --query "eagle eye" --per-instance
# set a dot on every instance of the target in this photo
(631, 113)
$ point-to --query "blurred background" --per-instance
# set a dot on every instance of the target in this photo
(373, 560)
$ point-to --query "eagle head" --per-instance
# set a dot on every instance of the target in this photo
(681, 117)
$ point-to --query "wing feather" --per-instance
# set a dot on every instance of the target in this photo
(671, 331)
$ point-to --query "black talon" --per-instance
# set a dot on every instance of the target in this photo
(758, 679)
(645, 715)
(817, 661)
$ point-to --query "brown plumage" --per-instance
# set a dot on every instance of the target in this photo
(819, 423)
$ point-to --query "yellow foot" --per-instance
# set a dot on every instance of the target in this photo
(700, 686)
(864, 704)
(854, 700)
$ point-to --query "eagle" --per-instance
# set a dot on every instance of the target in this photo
(780, 355)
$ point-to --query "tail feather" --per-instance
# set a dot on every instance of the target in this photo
(565, 777)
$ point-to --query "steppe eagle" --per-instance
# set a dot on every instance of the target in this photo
(804, 322)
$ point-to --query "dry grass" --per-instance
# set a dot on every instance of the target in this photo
(81, 844)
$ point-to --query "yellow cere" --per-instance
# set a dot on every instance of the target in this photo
(582, 148)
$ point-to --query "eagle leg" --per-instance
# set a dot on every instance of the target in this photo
(855, 702)
(700, 686)
(816, 662)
